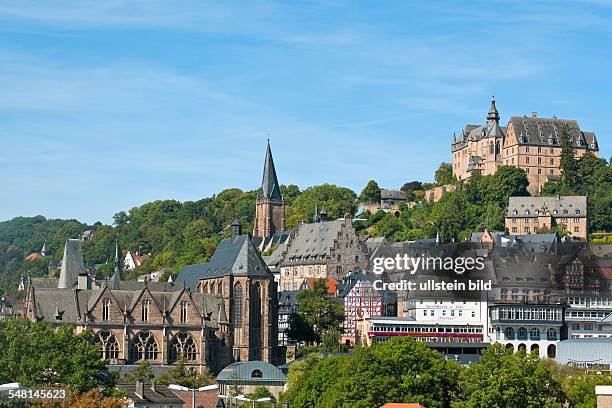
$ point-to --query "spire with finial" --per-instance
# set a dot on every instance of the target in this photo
(493, 116)
(116, 277)
(269, 183)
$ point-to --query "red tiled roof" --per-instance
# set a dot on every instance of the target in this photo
(331, 285)
(33, 256)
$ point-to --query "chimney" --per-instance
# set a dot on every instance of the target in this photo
(84, 282)
(139, 390)
(534, 115)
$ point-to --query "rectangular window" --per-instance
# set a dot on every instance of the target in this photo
(183, 311)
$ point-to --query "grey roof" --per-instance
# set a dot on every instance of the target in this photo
(242, 372)
(547, 132)
(269, 183)
(477, 236)
(313, 242)
(235, 255)
(557, 206)
(74, 304)
(159, 395)
(392, 195)
(72, 264)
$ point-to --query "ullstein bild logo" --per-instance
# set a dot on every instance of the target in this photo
(405, 263)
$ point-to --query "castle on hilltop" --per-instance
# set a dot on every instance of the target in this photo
(531, 143)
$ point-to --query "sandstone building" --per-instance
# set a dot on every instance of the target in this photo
(531, 143)
(528, 215)
(326, 249)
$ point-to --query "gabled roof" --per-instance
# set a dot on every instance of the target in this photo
(269, 183)
(313, 241)
(159, 395)
(236, 256)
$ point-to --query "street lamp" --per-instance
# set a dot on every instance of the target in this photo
(230, 398)
(193, 390)
(243, 398)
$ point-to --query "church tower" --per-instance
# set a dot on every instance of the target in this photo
(270, 207)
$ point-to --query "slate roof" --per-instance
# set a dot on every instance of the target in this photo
(242, 372)
(235, 255)
(72, 264)
(269, 183)
(547, 132)
(159, 395)
(558, 206)
(392, 195)
(313, 242)
(74, 304)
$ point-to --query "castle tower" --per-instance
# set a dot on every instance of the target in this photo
(270, 207)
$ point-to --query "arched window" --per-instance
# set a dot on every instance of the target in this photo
(510, 346)
(238, 304)
(220, 288)
(256, 374)
(105, 309)
(183, 311)
(551, 334)
(534, 334)
(535, 347)
(522, 333)
(143, 347)
(491, 149)
(255, 329)
(109, 346)
(183, 345)
(509, 333)
(145, 307)
(551, 352)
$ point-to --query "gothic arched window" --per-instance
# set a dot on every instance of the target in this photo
(145, 306)
(108, 344)
(143, 347)
(238, 304)
(105, 309)
(182, 345)
(183, 311)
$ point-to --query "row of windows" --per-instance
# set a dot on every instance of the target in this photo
(590, 301)
(451, 313)
(528, 230)
(144, 347)
(555, 212)
(517, 313)
(425, 329)
(534, 334)
(586, 314)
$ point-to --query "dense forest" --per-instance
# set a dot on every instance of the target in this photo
(178, 234)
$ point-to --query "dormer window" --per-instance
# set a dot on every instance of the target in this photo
(526, 212)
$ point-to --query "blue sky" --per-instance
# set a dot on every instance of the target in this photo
(108, 105)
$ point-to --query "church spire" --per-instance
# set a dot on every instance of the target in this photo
(269, 183)
(493, 116)
(116, 277)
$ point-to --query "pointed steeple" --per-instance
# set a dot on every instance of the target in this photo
(72, 264)
(493, 116)
(116, 277)
(269, 183)
(43, 250)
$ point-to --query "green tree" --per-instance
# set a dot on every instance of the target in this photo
(36, 354)
(400, 370)
(180, 375)
(568, 163)
(508, 181)
(370, 193)
(503, 379)
(318, 312)
(141, 373)
(336, 200)
(444, 174)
